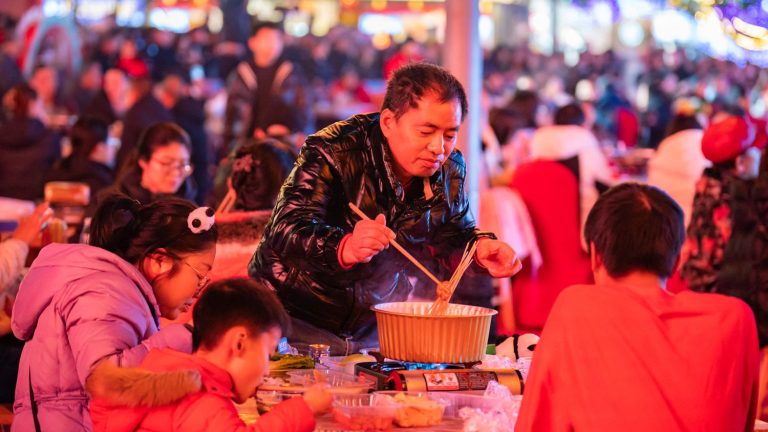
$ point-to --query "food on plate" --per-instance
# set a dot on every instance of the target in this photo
(270, 381)
(417, 411)
(290, 361)
(358, 358)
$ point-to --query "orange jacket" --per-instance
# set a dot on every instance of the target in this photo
(169, 398)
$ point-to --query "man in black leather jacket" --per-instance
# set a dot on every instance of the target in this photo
(328, 266)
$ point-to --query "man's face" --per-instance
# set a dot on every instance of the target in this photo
(115, 85)
(267, 45)
(423, 137)
(45, 82)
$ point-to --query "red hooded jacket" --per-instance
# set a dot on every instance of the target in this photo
(125, 400)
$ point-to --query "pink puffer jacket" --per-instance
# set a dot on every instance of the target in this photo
(80, 304)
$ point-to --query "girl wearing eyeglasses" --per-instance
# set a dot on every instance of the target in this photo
(83, 304)
(160, 166)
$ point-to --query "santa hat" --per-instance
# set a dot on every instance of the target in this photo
(726, 139)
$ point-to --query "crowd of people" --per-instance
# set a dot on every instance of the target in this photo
(275, 135)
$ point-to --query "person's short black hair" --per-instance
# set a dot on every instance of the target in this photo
(261, 25)
(87, 132)
(411, 82)
(636, 227)
(681, 122)
(570, 114)
(236, 302)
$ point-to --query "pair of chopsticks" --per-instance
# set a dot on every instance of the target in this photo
(397, 246)
(440, 306)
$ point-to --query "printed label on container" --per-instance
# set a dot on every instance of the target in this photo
(446, 381)
(441, 381)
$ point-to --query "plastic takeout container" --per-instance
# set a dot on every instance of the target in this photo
(339, 382)
(360, 412)
(408, 332)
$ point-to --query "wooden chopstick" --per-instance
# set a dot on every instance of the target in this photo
(226, 204)
(398, 247)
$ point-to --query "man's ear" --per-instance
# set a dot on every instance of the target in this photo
(387, 121)
(156, 264)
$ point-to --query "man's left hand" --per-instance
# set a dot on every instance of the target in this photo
(497, 257)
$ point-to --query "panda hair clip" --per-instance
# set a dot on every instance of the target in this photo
(200, 219)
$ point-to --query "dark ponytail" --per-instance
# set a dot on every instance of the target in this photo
(132, 231)
(744, 272)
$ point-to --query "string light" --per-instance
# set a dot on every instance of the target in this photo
(416, 5)
(378, 4)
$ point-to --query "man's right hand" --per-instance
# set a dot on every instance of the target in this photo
(368, 239)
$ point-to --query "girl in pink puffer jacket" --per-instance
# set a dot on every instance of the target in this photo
(83, 304)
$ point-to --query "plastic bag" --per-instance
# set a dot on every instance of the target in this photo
(501, 418)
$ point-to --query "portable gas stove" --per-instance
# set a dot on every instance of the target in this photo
(406, 376)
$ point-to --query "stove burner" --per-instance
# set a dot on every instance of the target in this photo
(429, 366)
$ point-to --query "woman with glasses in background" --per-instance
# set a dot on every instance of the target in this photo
(159, 166)
(81, 305)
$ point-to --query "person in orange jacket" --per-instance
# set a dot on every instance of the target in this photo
(237, 325)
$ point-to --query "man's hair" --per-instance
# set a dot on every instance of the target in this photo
(570, 114)
(636, 227)
(236, 302)
(681, 122)
(261, 25)
(412, 82)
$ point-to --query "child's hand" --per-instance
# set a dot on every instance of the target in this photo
(319, 399)
(29, 226)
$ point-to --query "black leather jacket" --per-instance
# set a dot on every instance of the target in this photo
(349, 161)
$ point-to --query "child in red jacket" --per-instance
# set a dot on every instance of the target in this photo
(238, 323)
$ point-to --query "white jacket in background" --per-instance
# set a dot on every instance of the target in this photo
(677, 165)
(560, 142)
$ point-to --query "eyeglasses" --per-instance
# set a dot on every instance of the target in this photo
(202, 280)
(182, 166)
